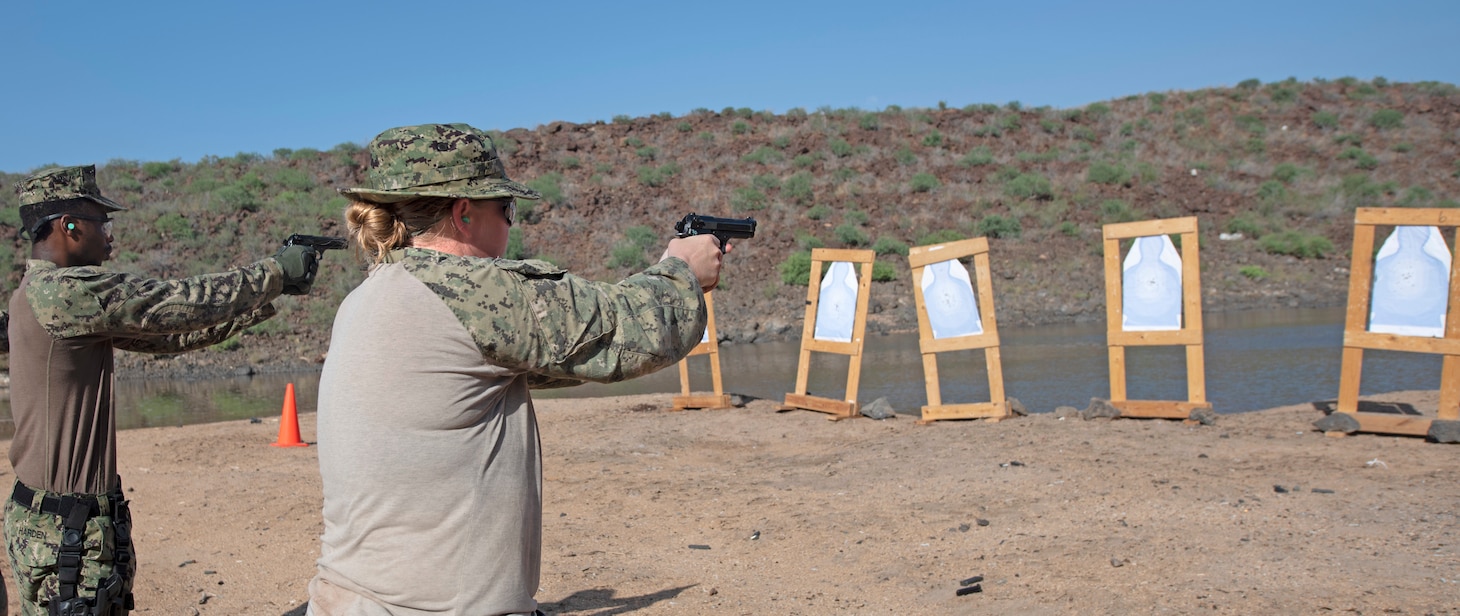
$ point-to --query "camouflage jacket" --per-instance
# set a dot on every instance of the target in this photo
(148, 315)
(535, 317)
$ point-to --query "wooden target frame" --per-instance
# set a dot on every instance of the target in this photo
(997, 408)
(1357, 337)
(711, 347)
(799, 399)
(1189, 336)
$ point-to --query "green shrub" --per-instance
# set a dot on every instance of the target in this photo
(1107, 173)
(1115, 210)
(1361, 190)
(1297, 243)
(1069, 228)
(1362, 159)
(804, 160)
(642, 236)
(1286, 172)
(739, 128)
(550, 185)
(941, 236)
(647, 152)
(173, 226)
(516, 248)
(797, 188)
(977, 157)
(883, 272)
(126, 183)
(763, 155)
(933, 139)
(796, 269)
(570, 162)
(1249, 84)
(748, 199)
(684, 127)
(856, 217)
(1251, 124)
(1246, 224)
(304, 154)
(1403, 147)
(766, 181)
(1386, 119)
(1272, 191)
(627, 255)
(889, 246)
(868, 122)
(996, 226)
(850, 234)
(652, 176)
(238, 197)
(905, 156)
(923, 182)
(1086, 134)
(818, 212)
(1253, 272)
(807, 242)
(1029, 186)
(1325, 119)
(1416, 196)
(293, 179)
(155, 170)
(840, 148)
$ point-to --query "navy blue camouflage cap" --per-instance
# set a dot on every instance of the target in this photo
(59, 190)
(436, 160)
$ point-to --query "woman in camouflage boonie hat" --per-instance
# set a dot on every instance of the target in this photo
(429, 450)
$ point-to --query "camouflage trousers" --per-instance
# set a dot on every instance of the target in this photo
(33, 538)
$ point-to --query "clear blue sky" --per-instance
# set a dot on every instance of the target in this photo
(89, 82)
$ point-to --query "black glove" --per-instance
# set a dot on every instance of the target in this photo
(300, 263)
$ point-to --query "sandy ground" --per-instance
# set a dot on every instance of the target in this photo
(750, 511)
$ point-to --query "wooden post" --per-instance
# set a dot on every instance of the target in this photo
(710, 346)
(1188, 335)
(1357, 337)
(919, 259)
(800, 399)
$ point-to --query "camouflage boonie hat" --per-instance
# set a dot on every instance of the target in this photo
(59, 190)
(436, 160)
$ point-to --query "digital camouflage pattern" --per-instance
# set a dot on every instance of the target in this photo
(436, 160)
(61, 183)
(60, 190)
(149, 315)
(32, 541)
(536, 317)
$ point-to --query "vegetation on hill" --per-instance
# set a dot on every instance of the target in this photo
(1283, 164)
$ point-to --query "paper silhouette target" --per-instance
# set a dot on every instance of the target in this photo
(951, 306)
(1151, 286)
(1411, 283)
(837, 311)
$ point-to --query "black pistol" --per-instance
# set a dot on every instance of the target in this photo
(723, 228)
(320, 243)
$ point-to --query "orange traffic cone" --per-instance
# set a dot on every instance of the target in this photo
(289, 422)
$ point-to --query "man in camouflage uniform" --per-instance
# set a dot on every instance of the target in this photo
(428, 442)
(67, 527)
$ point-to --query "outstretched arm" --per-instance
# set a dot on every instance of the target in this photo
(191, 341)
(534, 317)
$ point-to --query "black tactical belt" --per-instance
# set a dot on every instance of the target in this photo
(25, 497)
